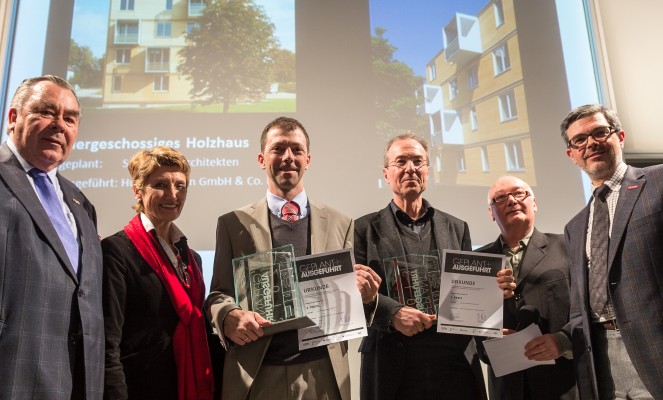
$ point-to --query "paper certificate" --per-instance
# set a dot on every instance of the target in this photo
(331, 300)
(470, 300)
(507, 355)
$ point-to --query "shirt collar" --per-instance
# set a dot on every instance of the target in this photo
(176, 234)
(615, 181)
(26, 165)
(275, 203)
(522, 242)
(426, 215)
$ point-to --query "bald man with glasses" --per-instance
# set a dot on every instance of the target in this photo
(540, 265)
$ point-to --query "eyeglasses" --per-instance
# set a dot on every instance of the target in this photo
(401, 163)
(517, 194)
(601, 134)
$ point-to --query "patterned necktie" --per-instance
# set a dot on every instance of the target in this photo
(514, 257)
(598, 271)
(49, 199)
(290, 211)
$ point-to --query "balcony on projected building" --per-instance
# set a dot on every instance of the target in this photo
(445, 125)
(446, 128)
(157, 60)
(462, 39)
(126, 32)
(432, 99)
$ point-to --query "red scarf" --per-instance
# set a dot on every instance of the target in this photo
(194, 367)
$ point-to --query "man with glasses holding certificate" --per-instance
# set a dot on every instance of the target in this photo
(540, 265)
(616, 247)
(403, 356)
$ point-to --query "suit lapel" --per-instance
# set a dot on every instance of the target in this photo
(577, 227)
(536, 250)
(441, 231)
(260, 232)
(84, 225)
(390, 244)
(17, 181)
(510, 304)
(629, 193)
(319, 227)
(494, 248)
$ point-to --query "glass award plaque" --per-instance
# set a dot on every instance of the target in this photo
(267, 284)
(414, 280)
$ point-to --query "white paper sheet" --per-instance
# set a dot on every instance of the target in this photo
(331, 299)
(507, 354)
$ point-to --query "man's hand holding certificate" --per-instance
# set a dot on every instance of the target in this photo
(328, 285)
(471, 302)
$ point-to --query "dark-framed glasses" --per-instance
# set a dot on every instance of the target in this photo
(517, 194)
(402, 162)
(600, 134)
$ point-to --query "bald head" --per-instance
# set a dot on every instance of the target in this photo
(507, 181)
(512, 205)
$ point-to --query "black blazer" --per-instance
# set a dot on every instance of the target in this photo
(635, 262)
(140, 321)
(377, 238)
(44, 306)
(543, 282)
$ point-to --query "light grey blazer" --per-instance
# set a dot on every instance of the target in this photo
(246, 231)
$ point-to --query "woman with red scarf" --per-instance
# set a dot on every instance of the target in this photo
(156, 334)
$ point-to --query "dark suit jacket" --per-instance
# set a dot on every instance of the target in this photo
(377, 238)
(635, 260)
(44, 306)
(140, 321)
(542, 282)
(246, 231)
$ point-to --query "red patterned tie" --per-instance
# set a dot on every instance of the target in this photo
(290, 211)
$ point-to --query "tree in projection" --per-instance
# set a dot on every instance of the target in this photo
(283, 71)
(85, 67)
(228, 54)
(395, 85)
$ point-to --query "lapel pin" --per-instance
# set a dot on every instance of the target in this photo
(632, 187)
(75, 201)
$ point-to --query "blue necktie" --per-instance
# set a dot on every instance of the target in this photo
(51, 203)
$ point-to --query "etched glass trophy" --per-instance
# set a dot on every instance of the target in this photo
(267, 284)
(414, 280)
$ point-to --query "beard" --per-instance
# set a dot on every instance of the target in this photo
(603, 169)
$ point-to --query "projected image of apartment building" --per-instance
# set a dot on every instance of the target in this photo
(144, 39)
(475, 101)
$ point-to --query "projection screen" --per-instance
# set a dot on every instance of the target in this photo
(485, 82)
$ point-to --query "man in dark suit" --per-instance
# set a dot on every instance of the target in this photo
(51, 319)
(403, 356)
(273, 367)
(540, 265)
(616, 247)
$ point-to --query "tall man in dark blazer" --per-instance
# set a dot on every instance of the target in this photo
(272, 367)
(617, 269)
(540, 265)
(403, 356)
(51, 319)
